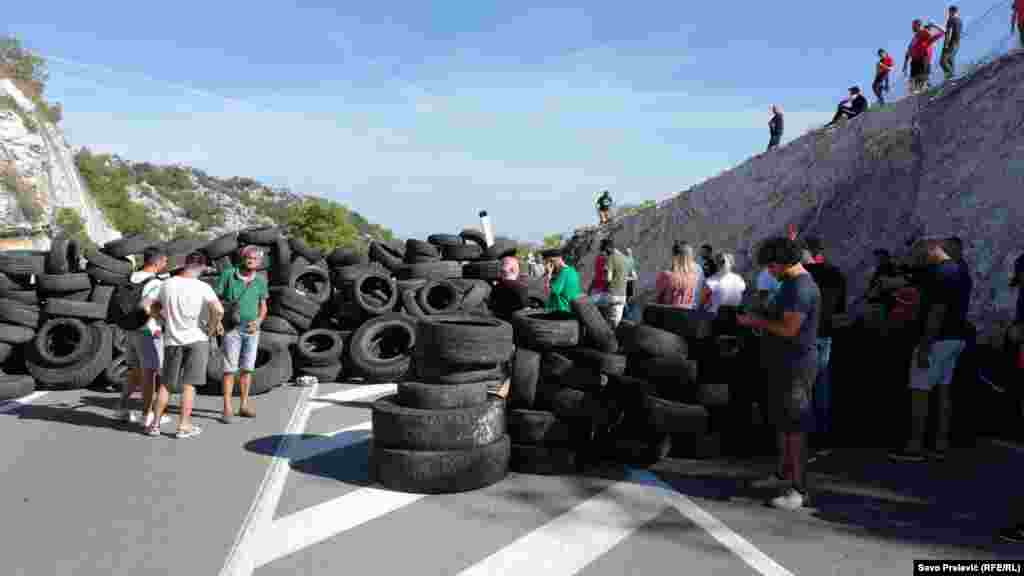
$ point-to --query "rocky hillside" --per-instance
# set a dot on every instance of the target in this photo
(950, 161)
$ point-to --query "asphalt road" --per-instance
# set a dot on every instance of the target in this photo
(288, 493)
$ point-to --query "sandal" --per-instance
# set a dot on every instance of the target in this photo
(153, 430)
(246, 412)
(190, 433)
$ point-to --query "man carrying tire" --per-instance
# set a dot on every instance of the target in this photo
(144, 350)
(244, 294)
(565, 282)
(183, 299)
(791, 336)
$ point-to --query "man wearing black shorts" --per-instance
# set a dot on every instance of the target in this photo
(790, 334)
(919, 54)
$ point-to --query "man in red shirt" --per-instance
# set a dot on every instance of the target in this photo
(1017, 19)
(881, 83)
(919, 54)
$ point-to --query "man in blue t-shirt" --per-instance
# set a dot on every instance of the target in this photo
(945, 293)
(791, 339)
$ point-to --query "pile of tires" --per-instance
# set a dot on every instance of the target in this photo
(443, 432)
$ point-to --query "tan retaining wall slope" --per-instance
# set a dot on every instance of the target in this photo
(954, 163)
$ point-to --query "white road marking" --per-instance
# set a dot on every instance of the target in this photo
(734, 542)
(318, 523)
(353, 394)
(240, 560)
(573, 540)
(12, 405)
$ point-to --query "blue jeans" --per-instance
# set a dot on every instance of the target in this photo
(823, 390)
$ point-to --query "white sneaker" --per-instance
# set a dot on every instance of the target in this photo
(791, 500)
(165, 419)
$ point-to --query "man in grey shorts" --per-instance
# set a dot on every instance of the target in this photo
(186, 343)
(246, 292)
(144, 343)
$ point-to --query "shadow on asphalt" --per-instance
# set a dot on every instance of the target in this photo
(343, 456)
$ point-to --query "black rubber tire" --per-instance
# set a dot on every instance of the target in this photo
(579, 407)
(443, 240)
(462, 252)
(411, 305)
(279, 325)
(329, 373)
(669, 417)
(381, 349)
(107, 262)
(280, 273)
(713, 395)
(442, 472)
(68, 335)
(602, 362)
(64, 256)
(542, 460)
(273, 368)
(583, 378)
(298, 261)
(73, 309)
(222, 246)
(319, 347)
(13, 386)
(290, 299)
(276, 340)
(17, 263)
(414, 247)
(28, 297)
(300, 247)
(425, 396)
(471, 236)
(522, 393)
(542, 330)
(5, 352)
(501, 248)
(410, 284)
(597, 332)
(116, 373)
(482, 270)
(385, 256)
(80, 374)
(120, 338)
(14, 312)
(101, 296)
(537, 427)
(345, 257)
(690, 324)
(462, 339)
(128, 246)
(7, 284)
(182, 247)
(439, 297)
(346, 274)
(313, 282)
(259, 235)
(436, 270)
(675, 378)
(82, 296)
(366, 283)
(655, 342)
(14, 334)
(396, 426)
(437, 371)
(63, 283)
(555, 365)
(477, 295)
(104, 276)
(299, 322)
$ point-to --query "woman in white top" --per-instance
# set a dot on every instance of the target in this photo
(726, 287)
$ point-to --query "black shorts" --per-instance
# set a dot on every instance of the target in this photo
(185, 366)
(920, 68)
(788, 402)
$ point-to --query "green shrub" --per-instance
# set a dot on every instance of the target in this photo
(109, 185)
(68, 221)
(323, 224)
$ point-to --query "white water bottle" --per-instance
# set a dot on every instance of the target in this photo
(485, 227)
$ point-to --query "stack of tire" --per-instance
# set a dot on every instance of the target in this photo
(443, 432)
(19, 319)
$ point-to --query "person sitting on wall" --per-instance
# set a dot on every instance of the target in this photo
(850, 108)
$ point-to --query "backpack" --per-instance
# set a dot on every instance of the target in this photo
(127, 305)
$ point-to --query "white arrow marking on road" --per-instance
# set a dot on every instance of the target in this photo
(737, 544)
(12, 405)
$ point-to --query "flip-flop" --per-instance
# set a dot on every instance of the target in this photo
(190, 433)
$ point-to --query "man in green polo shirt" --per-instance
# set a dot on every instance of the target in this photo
(248, 291)
(565, 282)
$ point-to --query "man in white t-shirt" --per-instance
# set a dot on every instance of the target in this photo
(726, 286)
(183, 299)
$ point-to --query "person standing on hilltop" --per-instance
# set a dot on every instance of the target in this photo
(604, 206)
(952, 42)
(882, 70)
(565, 282)
(919, 54)
(775, 127)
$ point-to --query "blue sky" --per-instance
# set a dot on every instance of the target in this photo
(418, 115)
